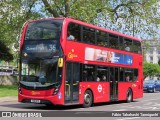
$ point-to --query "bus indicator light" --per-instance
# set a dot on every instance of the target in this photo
(25, 54)
(134, 85)
(59, 95)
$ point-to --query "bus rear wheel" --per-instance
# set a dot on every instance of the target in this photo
(129, 96)
(88, 99)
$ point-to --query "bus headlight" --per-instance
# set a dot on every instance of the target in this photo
(56, 90)
(19, 89)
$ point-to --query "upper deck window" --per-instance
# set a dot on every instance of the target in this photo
(93, 36)
(113, 41)
(43, 30)
(121, 43)
(137, 47)
(128, 45)
(74, 32)
(88, 35)
(102, 38)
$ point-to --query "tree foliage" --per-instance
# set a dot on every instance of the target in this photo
(150, 69)
(138, 18)
(5, 54)
(85, 10)
(13, 14)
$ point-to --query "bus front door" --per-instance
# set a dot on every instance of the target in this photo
(72, 83)
(113, 77)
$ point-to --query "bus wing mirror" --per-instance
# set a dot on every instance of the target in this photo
(60, 62)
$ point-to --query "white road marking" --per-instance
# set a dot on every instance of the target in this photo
(120, 110)
(150, 105)
(149, 100)
(131, 118)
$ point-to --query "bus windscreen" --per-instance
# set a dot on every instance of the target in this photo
(44, 30)
(42, 39)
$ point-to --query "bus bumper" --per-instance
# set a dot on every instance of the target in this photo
(55, 100)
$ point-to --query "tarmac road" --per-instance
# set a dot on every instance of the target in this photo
(150, 102)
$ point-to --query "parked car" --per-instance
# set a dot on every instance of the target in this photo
(151, 85)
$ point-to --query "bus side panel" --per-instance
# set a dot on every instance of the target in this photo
(138, 62)
(139, 91)
(100, 91)
(74, 51)
(139, 94)
(122, 89)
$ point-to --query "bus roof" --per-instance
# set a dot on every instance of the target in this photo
(89, 25)
(101, 28)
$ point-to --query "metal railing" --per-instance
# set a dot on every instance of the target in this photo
(8, 70)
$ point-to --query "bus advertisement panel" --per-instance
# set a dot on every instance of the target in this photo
(107, 56)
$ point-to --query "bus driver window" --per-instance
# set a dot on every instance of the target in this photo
(70, 36)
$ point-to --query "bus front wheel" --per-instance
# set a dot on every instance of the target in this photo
(88, 99)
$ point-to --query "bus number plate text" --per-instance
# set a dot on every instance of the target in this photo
(35, 101)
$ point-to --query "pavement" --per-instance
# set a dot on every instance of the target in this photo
(8, 99)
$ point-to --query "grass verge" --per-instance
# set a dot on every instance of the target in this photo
(8, 90)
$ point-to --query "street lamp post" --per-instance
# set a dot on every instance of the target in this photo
(133, 25)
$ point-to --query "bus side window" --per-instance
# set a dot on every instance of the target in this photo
(74, 31)
(128, 75)
(84, 74)
(101, 38)
(102, 73)
(128, 45)
(137, 47)
(113, 41)
(121, 43)
(121, 70)
(111, 74)
(90, 77)
(135, 75)
(88, 35)
(88, 73)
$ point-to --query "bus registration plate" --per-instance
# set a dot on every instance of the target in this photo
(35, 101)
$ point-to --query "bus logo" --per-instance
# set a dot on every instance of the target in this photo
(71, 54)
(35, 93)
(99, 88)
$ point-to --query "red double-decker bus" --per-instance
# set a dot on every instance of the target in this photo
(64, 61)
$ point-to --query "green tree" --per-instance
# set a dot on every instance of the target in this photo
(159, 62)
(150, 69)
(13, 14)
(130, 17)
(85, 10)
(5, 53)
(137, 18)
